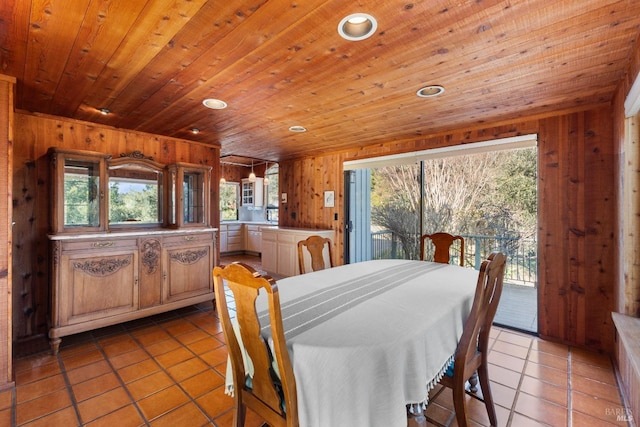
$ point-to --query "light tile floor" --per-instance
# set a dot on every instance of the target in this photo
(168, 370)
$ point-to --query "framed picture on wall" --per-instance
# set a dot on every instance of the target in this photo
(329, 201)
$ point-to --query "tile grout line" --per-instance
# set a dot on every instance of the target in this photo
(67, 382)
(121, 381)
(520, 382)
(569, 387)
(177, 383)
(212, 313)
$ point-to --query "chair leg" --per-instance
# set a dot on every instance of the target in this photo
(486, 393)
(239, 415)
(459, 405)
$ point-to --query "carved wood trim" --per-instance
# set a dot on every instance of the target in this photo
(103, 267)
(150, 254)
(136, 154)
(56, 252)
(189, 256)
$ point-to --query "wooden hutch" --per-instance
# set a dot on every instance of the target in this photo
(129, 237)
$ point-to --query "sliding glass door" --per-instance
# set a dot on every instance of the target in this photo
(489, 198)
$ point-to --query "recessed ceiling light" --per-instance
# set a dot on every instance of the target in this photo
(429, 91)
(214, 104)
(298, 129)
(104, 111)
(357, 26)
(195, 131)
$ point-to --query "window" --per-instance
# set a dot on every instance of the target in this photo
(229, 201)
(272, 192)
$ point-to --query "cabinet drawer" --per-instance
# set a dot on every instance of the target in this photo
(234, 239)
(186, 238)
(106, 244)
(289, 238)
(234, 231)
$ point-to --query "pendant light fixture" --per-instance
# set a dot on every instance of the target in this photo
(252, 176)
(222, 180)
(266, 168)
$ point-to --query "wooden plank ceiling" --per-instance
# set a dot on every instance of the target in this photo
(282, 63)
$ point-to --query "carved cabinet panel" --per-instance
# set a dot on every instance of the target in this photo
(98, 285)
(187, 262)
(150, 271)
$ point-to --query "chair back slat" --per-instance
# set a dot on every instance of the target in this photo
(475, 336)
(442, 243)
(316, 247)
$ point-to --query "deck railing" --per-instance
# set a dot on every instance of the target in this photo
(521, 253)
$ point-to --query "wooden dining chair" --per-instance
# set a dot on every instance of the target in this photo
(270, 395)
(472, 351)
(315, 246)
(442, 243)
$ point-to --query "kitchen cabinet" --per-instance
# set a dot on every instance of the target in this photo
(280, 248)
(104, 279)
(253, 238)
(253, 192)
(242, 237)
(223, 238)
(235, 242)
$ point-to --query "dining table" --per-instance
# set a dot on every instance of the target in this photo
(369, 340)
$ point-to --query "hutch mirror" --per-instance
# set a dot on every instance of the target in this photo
(136, 192)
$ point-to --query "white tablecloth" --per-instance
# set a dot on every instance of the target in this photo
(367, 339)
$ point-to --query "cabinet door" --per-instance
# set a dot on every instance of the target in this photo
(78, 188)
(247, 193)
(287, 259)
(253, 241)
(269, 256)
(253, 192)
(223, 241)
(254, 244)
(188, 195)
(94, 286)
(187, 262)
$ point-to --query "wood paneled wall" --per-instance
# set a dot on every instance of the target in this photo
(628, 185)
(627, 145)
(576, 213)
(7, 85)
(576, 229)
(34, 134)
